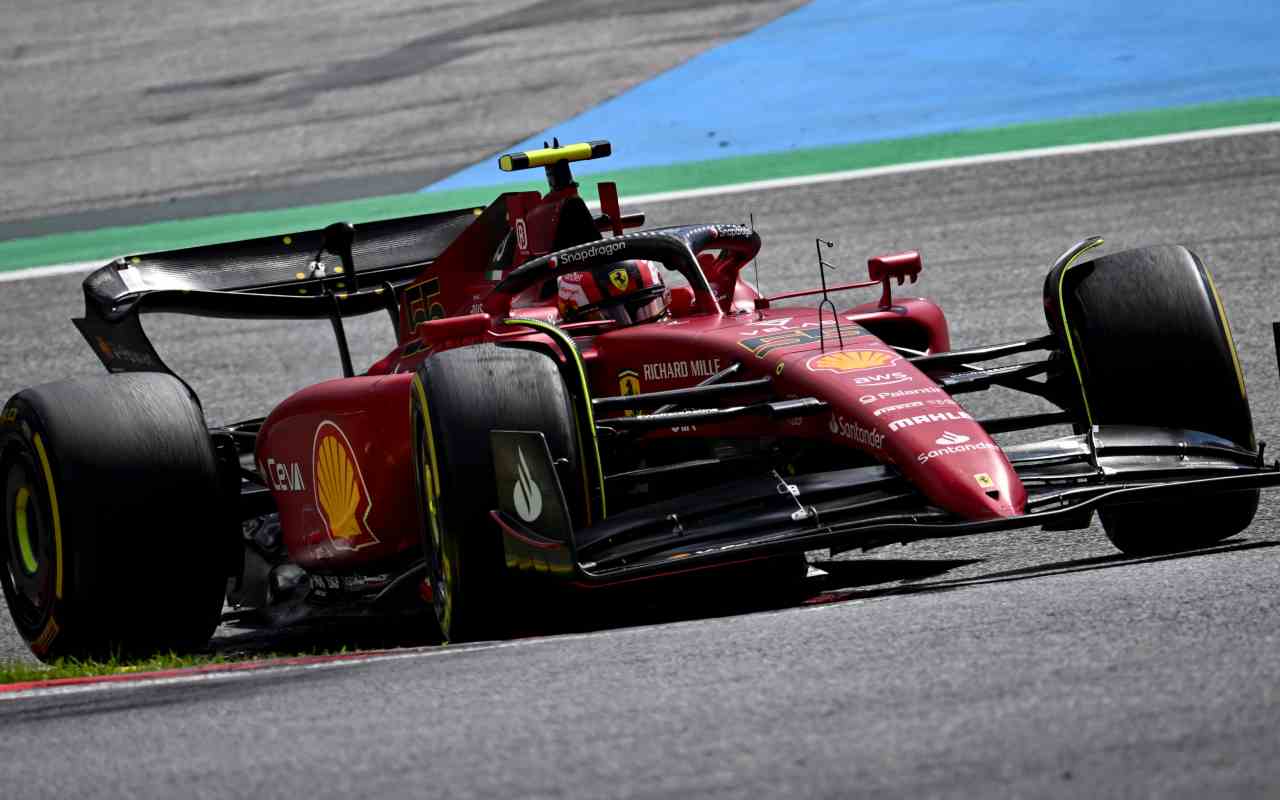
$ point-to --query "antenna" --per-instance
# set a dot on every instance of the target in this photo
(826, 301)
(755, 262)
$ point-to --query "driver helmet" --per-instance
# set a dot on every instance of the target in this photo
(628, 292)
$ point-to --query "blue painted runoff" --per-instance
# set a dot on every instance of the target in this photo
(840, 72)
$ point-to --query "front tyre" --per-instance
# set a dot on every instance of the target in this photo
(459, 396)
(1150, 345)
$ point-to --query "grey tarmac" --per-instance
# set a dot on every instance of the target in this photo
(146, 110)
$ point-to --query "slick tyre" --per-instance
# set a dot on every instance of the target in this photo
(114, 532)
(459, 397)
(1150, 340)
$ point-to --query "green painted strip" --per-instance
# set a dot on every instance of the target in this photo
(109, 242)
(106, 243)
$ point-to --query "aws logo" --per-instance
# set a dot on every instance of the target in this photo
(881, 379)
(852, 361)
(340, 490)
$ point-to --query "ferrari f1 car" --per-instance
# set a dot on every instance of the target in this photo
(513, 442)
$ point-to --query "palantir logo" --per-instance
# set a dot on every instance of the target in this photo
(949, 438)
(526, 495)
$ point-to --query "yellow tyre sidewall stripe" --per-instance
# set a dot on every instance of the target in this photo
(1226, 331)
(433, 508)
(57, 515)
(1066, 326)
(421, 393)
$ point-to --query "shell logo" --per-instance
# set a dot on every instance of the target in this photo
(340, 490)
(852, 361)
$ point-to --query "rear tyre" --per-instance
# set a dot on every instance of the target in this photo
(459, 397)
(114, 534)
(1145, 326)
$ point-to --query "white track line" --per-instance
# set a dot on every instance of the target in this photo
(56, 269)
(826, 177)
(965, 161)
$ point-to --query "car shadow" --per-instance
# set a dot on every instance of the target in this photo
(840, 583)
(322, 633)
(666, 602)
(836, 590)
(678, 600)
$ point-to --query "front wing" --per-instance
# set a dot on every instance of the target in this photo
(1067, 480)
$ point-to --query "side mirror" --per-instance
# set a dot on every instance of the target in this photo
(895, 265)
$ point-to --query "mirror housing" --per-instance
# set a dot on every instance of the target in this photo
(903, 266)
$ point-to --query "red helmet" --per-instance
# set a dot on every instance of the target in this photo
(626, 291)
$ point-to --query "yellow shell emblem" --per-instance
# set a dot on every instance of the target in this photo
(852, 360)
(340, 490)
(339, 495)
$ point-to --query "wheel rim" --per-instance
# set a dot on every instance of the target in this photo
(27, 561)
(23, 523)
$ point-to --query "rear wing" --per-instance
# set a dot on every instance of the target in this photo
(273, 276)
(290, 276)
(415, 268)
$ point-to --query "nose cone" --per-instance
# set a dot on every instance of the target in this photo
(938, 446)
(883, 405)
(965, 472)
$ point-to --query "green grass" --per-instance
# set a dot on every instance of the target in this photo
(23, 672)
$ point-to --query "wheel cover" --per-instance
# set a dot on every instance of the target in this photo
(27, 546)
(23, 522)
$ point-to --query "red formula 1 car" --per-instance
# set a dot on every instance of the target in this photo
(571, 404)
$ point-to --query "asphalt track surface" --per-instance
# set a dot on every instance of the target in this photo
(1007, 664)
(143, 110)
